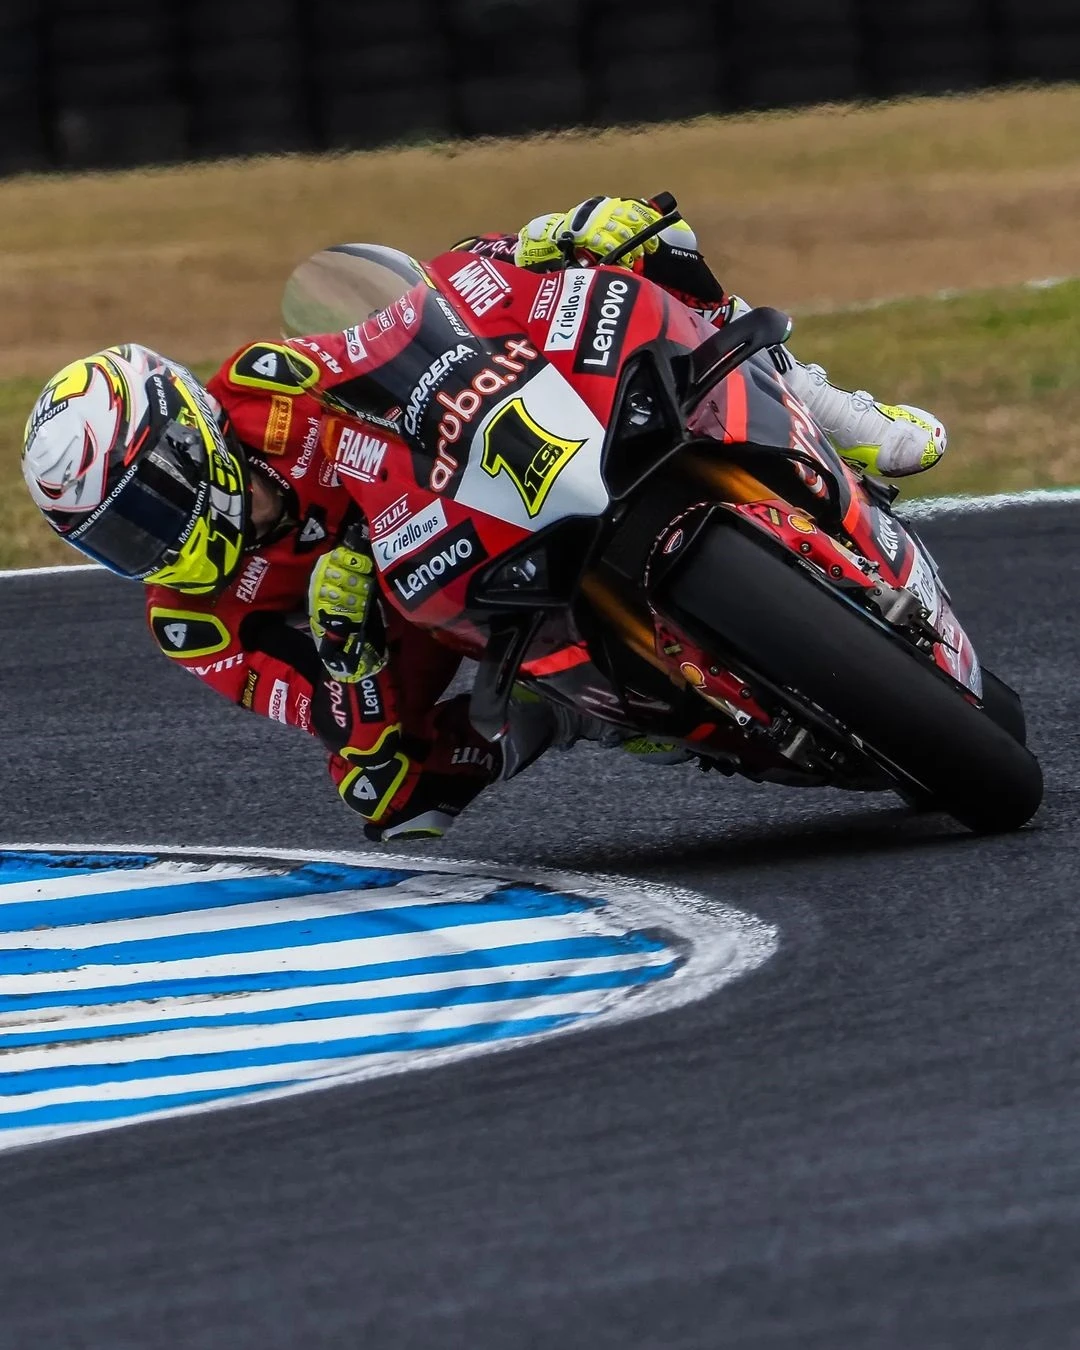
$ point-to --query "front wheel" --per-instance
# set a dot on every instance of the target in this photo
(743, 601)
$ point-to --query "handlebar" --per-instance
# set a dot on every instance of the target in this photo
(664, 201)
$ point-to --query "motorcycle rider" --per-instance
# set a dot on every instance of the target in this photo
(219, 499)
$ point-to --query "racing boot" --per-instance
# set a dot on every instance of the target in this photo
(882, 438)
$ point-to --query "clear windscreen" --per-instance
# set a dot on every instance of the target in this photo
(345, 285)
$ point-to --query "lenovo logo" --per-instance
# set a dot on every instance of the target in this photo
(437, 565)
(605, 326)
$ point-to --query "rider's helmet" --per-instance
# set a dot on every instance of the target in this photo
(126, 459)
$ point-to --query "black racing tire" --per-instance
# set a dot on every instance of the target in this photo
(1003, 705)
(740, 599)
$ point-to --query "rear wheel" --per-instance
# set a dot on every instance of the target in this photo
(740, 599)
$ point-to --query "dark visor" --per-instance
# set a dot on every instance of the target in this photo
(142, 527)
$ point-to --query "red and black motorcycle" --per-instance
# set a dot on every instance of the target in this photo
(528, 452)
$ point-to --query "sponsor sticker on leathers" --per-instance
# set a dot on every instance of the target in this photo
(278, 424)
(354, 345)
(279, 701)
(251, 578)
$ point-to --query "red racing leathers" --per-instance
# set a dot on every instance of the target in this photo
(399, 757)
(402, 759)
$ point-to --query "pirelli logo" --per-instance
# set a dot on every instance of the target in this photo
(278, 425)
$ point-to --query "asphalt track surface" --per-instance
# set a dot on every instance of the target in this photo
(871, 1141)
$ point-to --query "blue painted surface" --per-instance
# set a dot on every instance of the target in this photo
(152, 902)
(452, 996)
(58, 1076)
(373, 923)
(560, 949)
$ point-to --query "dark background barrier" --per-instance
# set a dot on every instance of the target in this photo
(101, 83)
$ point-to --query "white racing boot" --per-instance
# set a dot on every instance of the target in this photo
(882, 438)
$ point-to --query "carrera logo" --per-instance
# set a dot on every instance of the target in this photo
(425, 525)
(359, 455)
(251, 578)
(430, 381)
(605, 326)
(544, 305)
(437, 565)
(354, 345)
(481, 285)
(278, 424)
(570, 310)
(279, 701)
(460, 410)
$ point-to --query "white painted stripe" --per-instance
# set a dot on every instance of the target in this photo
(218, 1080)
(57, 569)
(323, 956)
(68, 887)
(825, 309)
(221, 1081)
(254, 914)
(73, 1017)
(715, 943)
(157, 1045)
(921, 508)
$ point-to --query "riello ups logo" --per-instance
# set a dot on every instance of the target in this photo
(610, 306)
(446, 557)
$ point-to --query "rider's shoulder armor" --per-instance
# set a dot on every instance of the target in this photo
(272, 368)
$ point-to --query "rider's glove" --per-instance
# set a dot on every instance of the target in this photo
(344, 611)
(596, 227)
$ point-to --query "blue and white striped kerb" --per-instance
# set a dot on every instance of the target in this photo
(135, 985)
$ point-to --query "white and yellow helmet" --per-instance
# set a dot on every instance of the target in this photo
(125, 458)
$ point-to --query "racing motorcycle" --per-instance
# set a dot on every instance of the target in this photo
(527, 451)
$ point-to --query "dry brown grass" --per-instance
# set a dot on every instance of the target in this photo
(829, 206)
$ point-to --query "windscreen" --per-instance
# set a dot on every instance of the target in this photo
(345, 285)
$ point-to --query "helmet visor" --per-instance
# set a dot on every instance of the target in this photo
(150, 513)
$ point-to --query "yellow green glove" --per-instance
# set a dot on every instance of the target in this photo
(342, 603)
(597, 226)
